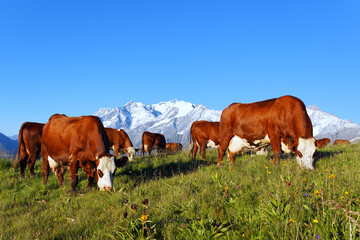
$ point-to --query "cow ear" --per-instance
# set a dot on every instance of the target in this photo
(120, 162)
(101, 174)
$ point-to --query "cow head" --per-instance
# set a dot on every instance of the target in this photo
(305, 151)
(105, 171)
(131, 153)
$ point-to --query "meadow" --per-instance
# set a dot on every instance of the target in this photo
(172, 197)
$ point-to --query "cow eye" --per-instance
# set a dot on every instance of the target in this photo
(101, 174)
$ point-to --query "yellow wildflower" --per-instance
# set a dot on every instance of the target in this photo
(266, 167)
(332, 176)
(317, 193)
(304, 179)
(291, 220)
(342, 197)
(226, 189)
(315, 221)
(269, 172)
(144, 217)
(243, 235)
(346, 193)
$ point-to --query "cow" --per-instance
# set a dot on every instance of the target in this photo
(173, 147)
(321, 143)
(152, 140)
(78, 142)
(29, 148)
(341, 142)
(279, 121)
(120, 141)
(203, 134)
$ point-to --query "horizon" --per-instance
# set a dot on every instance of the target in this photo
(77, 57)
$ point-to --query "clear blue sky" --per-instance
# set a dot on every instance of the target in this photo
(74, 57)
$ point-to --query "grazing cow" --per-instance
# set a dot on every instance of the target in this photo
(321, 143)
(341, 142)
(173, 147)
(120, 141)
(203, 134)
(29, 148)
(277, 121)
(78, 142)
(152, 140)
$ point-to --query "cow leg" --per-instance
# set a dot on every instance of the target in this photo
(275, 145)
(194, 152)
(203, 149)
(224, 143)
(90, 181)
(31, 164)
(45, 168)
(232, 157)
(74, 167)
(60, 174)
(23, 161)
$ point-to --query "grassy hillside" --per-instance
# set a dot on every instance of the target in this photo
(176, 198)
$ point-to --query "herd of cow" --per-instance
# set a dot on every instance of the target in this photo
(83, 142)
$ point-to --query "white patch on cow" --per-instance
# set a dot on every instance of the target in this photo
(285, 148)
(52, 163)
(107, 167)
(119, 130)
(262, 152)
(131, 153)
(238, 144)
(112, 147)
(307, 148)
(263, 142)
(146, 148)
(211, 144)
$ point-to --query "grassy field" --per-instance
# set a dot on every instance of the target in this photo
(172, 197)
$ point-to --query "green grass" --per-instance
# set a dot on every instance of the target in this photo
(254, 199)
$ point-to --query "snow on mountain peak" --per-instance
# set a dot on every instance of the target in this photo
(172, 118)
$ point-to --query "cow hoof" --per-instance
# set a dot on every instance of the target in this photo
(218, 165)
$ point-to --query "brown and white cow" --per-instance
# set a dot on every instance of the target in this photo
(78, 142)
(203, 134)
(173, 147)
(321, 143)
(29, 148)
(341, 142)
(277, 121)
(152, 140)
(120, 142)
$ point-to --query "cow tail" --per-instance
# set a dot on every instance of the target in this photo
(21, 141)
(191, 146)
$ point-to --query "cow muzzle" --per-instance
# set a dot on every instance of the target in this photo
(106, 188)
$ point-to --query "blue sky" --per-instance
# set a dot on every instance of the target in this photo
(74, 57)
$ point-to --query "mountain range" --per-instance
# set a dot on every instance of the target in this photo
(174, 119)
(8, 147)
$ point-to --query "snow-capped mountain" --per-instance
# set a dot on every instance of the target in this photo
(330, 126)
(174, 119)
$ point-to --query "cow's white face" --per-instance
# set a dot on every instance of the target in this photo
(105, 171)
(307, 148)
(131, 153)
